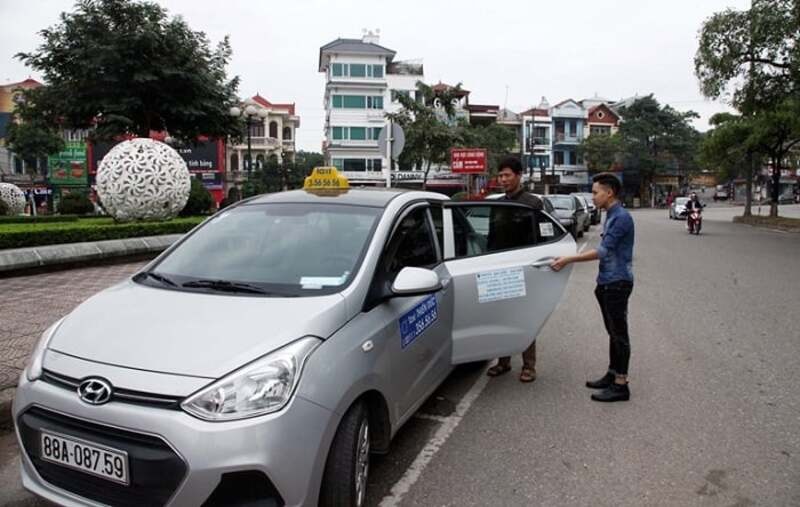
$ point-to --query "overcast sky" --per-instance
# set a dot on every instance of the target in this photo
(505, 52)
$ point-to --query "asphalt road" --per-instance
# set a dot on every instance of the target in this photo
(714, 417)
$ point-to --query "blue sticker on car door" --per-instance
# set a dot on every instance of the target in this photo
(415, 321)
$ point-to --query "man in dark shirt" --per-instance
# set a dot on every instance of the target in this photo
(510, 177)
(614, 285)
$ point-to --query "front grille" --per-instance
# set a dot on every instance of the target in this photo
(155, 469)
(120, 395)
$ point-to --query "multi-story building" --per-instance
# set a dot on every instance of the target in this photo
(272, 136)
(363, 82)
(10, 164)
(537, 139)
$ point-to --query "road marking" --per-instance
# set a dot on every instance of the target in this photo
(433, 445)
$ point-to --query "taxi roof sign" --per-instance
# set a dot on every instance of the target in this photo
(326, 178)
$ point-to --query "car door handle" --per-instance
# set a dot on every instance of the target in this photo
(543, 263)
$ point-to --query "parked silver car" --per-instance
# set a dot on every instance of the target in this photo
(262, 358)
(594, 211)
(570, 212)
(677, 211)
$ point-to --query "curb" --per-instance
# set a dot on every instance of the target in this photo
(26, 259)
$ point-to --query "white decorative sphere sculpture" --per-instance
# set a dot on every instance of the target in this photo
(143, 179)
(13, 197)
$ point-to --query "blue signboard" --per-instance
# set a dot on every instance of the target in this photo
(414, 322)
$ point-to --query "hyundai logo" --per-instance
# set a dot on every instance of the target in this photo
(95, 391)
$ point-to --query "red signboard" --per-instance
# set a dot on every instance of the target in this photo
(468, 160)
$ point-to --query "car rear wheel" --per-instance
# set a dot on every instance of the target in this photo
(344, 482)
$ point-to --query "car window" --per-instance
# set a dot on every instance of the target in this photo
(490, 228)
(411, 245)
(562, 202)
(287, 249)
(438, 224)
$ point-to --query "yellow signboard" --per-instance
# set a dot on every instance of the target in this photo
(326, 178)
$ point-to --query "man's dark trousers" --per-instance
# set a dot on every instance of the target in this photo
(613, 299)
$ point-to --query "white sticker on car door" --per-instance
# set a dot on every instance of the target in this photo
(546, 230)
(501, 284)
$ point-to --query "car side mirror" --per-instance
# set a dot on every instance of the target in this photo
(415, 282)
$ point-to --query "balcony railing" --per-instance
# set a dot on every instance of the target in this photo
(562, 137)
(355, 142)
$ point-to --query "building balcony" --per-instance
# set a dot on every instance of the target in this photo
(538, 142)
(564, 138)
(354, 143)
(288, 144)
(260, 142)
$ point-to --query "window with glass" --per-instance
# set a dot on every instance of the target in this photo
(558, 157)
(600, 130)
(358, 70)
(337, 70)
(481, 229)
(411, 245)
(375, 102)
(272, 250)
(354, 164)
(358, 133)
(354, 101)
(257, 129)
(374, 164)
(375, 71)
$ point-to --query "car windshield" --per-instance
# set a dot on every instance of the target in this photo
(562, 202)
(272, 249)
(681, 200)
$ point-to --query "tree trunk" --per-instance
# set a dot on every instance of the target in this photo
(776, 186)
(425, 177)
(748, 187)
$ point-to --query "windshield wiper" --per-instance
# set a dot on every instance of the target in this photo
(225, 286)
(161, 278)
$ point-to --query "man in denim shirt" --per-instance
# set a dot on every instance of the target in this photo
(614, 285)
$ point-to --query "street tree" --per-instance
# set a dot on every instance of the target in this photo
(497, 140)
(751, 58)
(601, 151)
(125, 67)
(729, 150)
(657, 138)
(426, 124)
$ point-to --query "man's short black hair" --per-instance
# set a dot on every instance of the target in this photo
(610, 181)
(512, 163)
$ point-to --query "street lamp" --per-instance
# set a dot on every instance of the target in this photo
(250, 113)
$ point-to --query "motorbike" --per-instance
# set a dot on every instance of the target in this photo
(694, 221)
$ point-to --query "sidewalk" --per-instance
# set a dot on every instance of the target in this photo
(29, 304)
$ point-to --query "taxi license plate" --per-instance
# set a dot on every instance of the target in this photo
(111, 464)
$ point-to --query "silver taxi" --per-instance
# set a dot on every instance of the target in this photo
(262, 358)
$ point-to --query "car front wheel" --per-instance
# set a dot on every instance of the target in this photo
(344, 482)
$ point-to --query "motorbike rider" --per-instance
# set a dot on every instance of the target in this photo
(694, 204)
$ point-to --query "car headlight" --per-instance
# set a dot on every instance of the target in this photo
(34, 369)
(262, 387)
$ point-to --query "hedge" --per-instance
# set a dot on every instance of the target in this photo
(24, 219)
(28, 235)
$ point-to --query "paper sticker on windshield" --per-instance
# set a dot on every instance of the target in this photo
(546, 230)
(501, 284)
(318, 282)
(414, 322)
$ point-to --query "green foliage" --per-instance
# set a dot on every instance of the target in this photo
(752, 56)
(656, 138)
(496, 139)
(32, 139)
(200, 200)
(26, 235)
(306, 161)
(431, 132)
(75, 203)
(126, 67)
(600, 151)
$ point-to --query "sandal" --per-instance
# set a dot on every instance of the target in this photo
(498, 369)
(527, 375)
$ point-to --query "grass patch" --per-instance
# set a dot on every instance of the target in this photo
(20, 235)
(780, 223)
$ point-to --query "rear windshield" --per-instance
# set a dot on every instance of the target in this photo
(562, 202)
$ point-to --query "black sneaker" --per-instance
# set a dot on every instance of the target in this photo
(614, 392)
(601, 383)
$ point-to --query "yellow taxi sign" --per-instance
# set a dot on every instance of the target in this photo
(326, 178)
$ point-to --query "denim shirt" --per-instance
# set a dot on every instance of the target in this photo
(616, 250)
